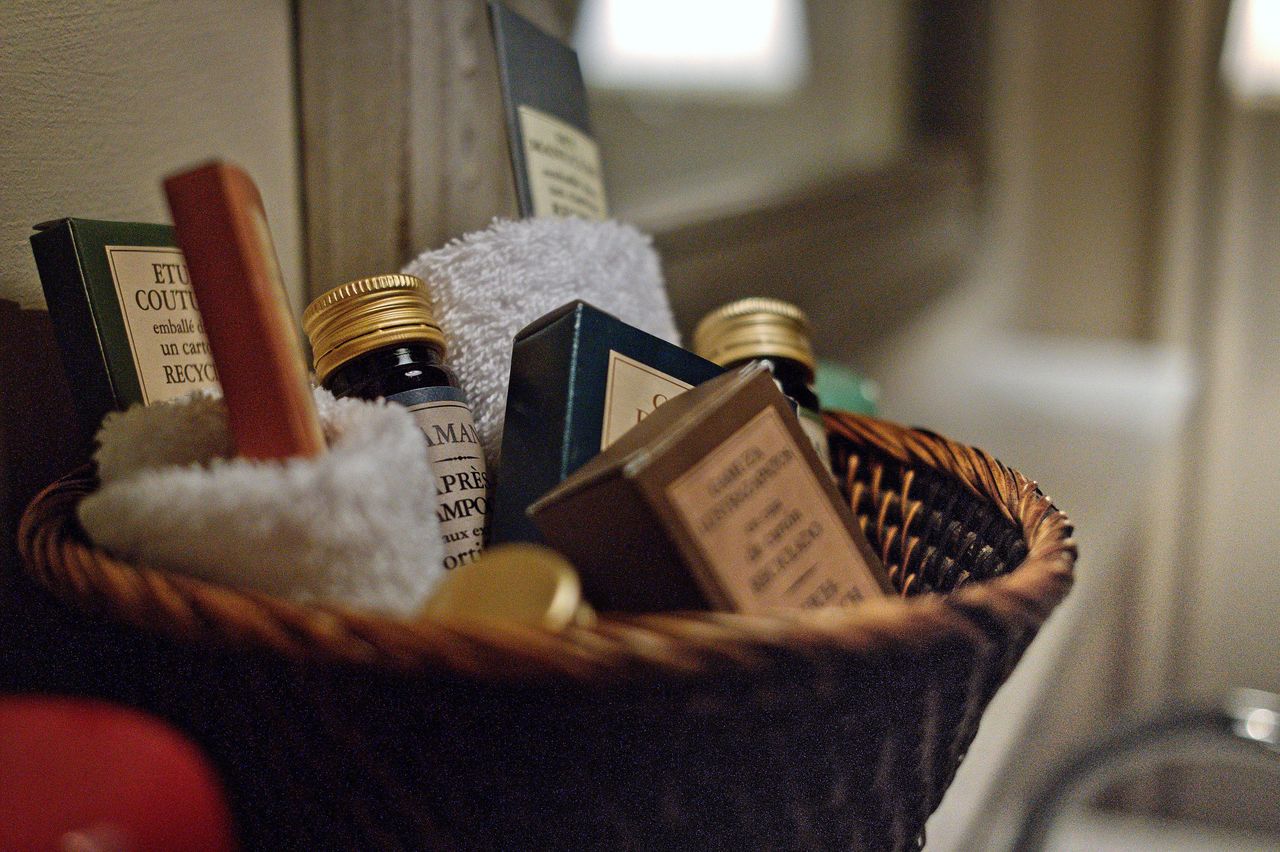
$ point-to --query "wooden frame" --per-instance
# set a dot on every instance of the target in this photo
(404, 148)
(403, 142)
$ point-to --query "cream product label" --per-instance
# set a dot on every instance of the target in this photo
(457, 462)
(763, 522)
(632, 391)
(816, 432)
(166, 335)
(565, 177)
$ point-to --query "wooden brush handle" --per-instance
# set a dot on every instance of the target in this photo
(222, 229)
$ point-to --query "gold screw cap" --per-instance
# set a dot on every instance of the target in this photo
(367, 314)
(756, 327)
(524, 584)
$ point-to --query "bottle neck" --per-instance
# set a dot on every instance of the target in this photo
(795, 379)
(390, 369)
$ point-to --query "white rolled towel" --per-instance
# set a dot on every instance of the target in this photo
(356, 525)
(488, 285)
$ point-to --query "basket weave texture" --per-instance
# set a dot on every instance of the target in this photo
(835, 729)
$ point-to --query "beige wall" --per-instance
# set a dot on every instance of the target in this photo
(1130, 203)
(670, 160)
(1232, 637)
(1091, 119)
(98, 100)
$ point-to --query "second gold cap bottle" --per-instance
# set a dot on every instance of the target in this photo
(776, 333)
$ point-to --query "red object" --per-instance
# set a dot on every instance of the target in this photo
(222, 229)
(84, 775)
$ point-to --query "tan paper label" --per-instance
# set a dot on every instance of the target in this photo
(765, 525)
(457, 462)
(166, 335)
(631, 392)
(565, 177)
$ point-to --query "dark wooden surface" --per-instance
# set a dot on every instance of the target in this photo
(403, 141)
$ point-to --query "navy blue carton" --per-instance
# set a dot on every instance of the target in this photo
(580, 379)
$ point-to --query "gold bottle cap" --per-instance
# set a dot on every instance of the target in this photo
(757, 327)
(524, 584)
(367, 314)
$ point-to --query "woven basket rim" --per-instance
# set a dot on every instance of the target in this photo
(56, 552)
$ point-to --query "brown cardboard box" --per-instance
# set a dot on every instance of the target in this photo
(715, 500)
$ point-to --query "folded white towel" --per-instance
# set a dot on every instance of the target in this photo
(488, 285)
(356, 525)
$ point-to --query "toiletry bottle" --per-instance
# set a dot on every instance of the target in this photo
(377, 338)
(777, 334)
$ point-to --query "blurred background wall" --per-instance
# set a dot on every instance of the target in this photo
(1113, 338)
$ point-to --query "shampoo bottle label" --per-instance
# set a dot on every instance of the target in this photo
(816, 432)
(457, 462)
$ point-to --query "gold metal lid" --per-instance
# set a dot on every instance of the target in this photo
(757, 327)
(524, 584)
(367, 314)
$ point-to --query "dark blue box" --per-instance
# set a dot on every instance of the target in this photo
(579, 379)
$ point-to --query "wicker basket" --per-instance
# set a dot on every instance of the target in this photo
(838, 729)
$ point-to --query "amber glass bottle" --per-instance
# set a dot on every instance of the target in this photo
(377, 338)
(777, 334)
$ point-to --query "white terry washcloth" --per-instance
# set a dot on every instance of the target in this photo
(356, 525)
(489, 284)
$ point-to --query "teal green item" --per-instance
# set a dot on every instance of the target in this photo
(842, 389)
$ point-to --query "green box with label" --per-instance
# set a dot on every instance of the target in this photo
(123, 313)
